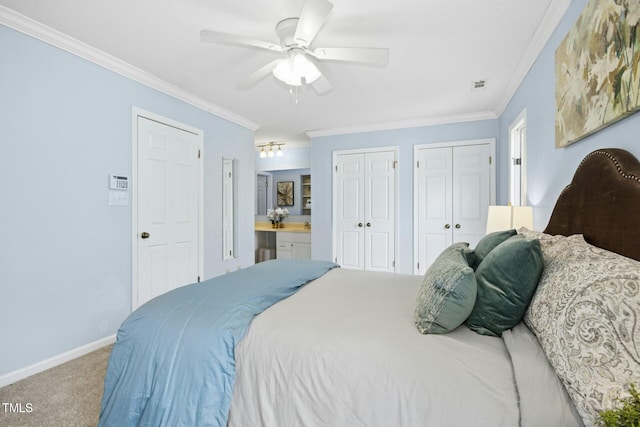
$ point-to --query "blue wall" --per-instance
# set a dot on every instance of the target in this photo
(322, 149)
(550, 169)
(65, 255)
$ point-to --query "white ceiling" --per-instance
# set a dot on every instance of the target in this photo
(437, 49)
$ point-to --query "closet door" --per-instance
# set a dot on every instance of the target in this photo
(434, 190)
(471, 192)
(364, 203)
(452, 193)
(349, 206)
(379, 214)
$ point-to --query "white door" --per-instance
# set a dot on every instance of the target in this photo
(261, 194)
(349, 206)
(379, 211)
(227, 209)
(453, 190)
(168, 197)
(471, 192)
(434, 206)
(364, 201)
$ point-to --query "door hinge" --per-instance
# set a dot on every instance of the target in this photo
(336, 168)
(418, 164)
(336, 260)
(418, 266)
(199, 153)
(393, 264)
(517, 161)
(490, 159)
(198, 279)
(395, 164)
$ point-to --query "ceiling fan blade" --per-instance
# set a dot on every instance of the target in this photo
(321, 85)
(362, 55)
(216, 37)
(313, 15)
(257, 75)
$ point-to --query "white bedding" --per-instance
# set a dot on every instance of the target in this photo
(344, 351)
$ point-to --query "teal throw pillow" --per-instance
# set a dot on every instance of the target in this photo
(448, 291)
(507, 278)
(488, 243)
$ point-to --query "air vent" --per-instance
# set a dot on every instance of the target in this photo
(479, 84)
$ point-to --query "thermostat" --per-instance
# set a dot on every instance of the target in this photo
(118, 182)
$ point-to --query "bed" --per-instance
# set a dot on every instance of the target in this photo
(339, 347)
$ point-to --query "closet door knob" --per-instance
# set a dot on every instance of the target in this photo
(457, 225)
(144, 235)
(359, 224)
(447, 226)
(368, 224)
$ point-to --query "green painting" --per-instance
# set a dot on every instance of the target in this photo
(597, 70)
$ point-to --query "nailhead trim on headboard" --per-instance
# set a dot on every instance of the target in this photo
(615, 162)
(612, 158)
(598, 206)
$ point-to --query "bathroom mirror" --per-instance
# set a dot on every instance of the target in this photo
(228, 209)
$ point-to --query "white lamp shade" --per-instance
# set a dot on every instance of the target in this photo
(522, 216)
(498, 218)
(501, 218)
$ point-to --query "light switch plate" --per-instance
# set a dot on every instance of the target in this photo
(118, 198)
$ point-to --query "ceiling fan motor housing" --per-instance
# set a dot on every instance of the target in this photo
(286, 30)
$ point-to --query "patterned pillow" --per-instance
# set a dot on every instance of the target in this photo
(448, 291)
(586, 315)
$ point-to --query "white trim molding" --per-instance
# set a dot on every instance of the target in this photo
(35, 29)
(427, 121)
(552, 17)
(36, 368)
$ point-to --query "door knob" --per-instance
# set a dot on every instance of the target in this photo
(457, 225)
(359, 224)
(144, 235)
(368, 224)
(447, 226)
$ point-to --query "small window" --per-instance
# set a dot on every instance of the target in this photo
(517, 157)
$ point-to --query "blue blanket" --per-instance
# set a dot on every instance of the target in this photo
(173, 361)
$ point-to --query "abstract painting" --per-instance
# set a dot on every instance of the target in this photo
(285, 193)
(598, 70)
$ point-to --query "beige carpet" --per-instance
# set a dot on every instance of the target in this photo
(66, 396)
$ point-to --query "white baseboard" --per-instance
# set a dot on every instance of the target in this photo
(23, 373)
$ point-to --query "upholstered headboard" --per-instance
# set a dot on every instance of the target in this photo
(602, 202)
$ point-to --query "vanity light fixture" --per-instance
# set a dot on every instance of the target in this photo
(269, 150)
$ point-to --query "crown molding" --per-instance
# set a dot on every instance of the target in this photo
(428, 121)
(552, 17)
(35, 29)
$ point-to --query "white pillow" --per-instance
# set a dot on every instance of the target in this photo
(543, 399)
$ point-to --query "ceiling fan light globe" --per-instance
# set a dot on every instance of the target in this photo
(304, 68)
(284, 72)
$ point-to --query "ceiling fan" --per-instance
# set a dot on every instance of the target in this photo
(298, 61)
